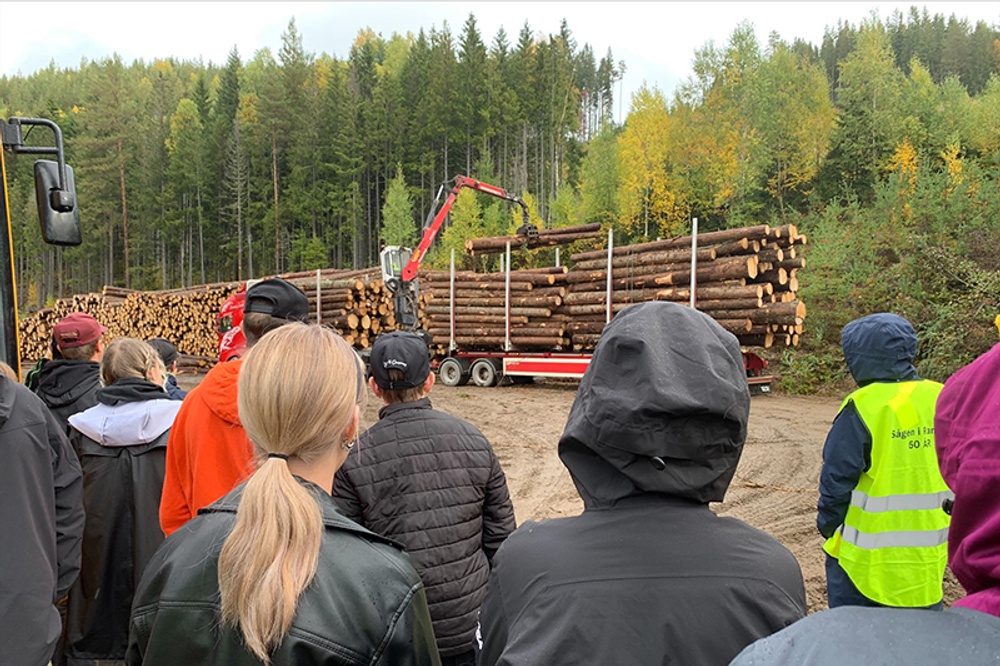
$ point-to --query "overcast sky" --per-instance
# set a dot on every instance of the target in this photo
(656, 40)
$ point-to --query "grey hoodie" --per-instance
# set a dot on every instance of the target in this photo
(41, 525)
(127, 423)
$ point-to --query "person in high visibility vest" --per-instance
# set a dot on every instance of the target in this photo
(881, 492)
(967, 439)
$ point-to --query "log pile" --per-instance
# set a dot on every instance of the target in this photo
(746, 280)
(187, 317)
(480, 313)
(354, 303)
(545, 238)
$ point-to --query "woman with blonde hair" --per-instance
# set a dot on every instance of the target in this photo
(121, 443)
(272, 573)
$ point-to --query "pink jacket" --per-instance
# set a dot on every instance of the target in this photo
(967, 434)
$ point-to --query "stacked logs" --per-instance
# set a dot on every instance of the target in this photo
(544, 238)
(187, 317)
(745, 279)
(480, 310)
(354, 303)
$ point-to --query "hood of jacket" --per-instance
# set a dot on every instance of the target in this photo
(127, 423)
(63, 382)
(218, 390)
(7, 398)
(662, 408)
(880, 347)
(130, 389)
(967, 437)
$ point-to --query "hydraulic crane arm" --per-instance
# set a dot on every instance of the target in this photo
(434, 220)
(400, 265)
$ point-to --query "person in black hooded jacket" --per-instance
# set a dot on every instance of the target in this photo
(69, 385)
(122, 443)
(648, 573)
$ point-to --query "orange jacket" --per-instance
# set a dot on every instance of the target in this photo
(208, 453)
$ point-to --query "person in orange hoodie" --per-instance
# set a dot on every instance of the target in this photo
(208, 453)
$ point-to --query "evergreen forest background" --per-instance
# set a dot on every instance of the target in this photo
(882, 144)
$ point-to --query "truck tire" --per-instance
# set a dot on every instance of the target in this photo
(484, 373)
(451, 372)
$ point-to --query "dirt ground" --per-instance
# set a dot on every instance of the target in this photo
(774, 488)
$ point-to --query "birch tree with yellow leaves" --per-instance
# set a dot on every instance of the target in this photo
(647, 200)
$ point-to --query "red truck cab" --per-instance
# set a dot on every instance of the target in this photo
(229, 326)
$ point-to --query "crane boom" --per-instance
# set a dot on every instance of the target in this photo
(433, 225)
(400, 265)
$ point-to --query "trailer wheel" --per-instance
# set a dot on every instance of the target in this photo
(484, 373)
(452, 373)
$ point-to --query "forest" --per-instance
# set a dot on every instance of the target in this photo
(882, 144)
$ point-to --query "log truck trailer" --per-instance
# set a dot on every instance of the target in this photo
(400, 266)
(486, 368)
(58, 213)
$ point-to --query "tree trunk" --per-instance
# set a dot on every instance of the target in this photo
(277, 217)
(121, 180)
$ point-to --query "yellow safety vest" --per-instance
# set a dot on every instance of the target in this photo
(894, 541)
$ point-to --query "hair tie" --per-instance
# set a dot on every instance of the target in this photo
(278, 455)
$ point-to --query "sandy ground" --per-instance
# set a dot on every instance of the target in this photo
(774, 488)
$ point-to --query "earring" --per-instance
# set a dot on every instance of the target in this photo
(347, 444)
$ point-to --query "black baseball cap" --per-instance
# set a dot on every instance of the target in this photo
(165, 348)
(278, 298)
(404, 351)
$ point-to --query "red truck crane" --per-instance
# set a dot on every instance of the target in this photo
(400, 264)
(486, 368)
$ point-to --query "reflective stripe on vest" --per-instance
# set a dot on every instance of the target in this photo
(914, 539)
(911, 502)
(893, 543)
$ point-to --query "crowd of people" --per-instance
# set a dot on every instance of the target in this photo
(255, 520)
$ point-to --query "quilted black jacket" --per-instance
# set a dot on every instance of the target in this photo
(432, 482)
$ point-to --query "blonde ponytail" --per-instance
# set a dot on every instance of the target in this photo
(269, 557)
(297, 398)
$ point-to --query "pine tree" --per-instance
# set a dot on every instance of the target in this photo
(398, 227)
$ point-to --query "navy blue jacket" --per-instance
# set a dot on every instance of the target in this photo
(878, 348)
(174, 391)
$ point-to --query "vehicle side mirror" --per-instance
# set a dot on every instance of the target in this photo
(57, 210)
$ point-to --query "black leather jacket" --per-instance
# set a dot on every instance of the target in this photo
(366, 604)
